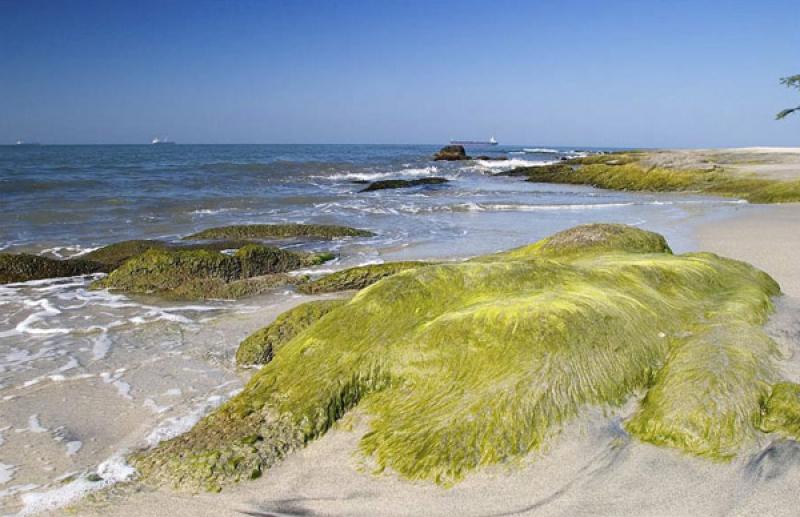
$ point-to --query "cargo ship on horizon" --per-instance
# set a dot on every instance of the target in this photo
(491, 141)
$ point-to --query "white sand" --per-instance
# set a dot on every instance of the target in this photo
(593, 468)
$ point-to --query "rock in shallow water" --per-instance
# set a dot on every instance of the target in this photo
(463, 365)
(25, 267)
(280, 231)
(204, 274)
(391, 184)
(451, 153)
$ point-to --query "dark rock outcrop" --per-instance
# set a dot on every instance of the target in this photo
(391, 184)
(279, 231)
(25, 267)
(451, 153)
(484, 157)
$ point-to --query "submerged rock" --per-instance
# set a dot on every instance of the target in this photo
(356, 277)
(485, 158)
(267, 231)
(201, 274)
(24, 267)
(470, 364)
(451, 153)
(259, 347)
(390, 184)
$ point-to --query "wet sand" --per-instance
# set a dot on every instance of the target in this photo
(592, 468)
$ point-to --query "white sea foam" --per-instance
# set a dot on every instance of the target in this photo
(513, 163)
(6, 473)
(173, 426)
(374, 176)
(544, 150)
(34, 425)
(113, 470)
(73, 447)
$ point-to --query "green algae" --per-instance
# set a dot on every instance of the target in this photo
(356, 277)
(626, 171)
(782, 410)
(267, 231)
(202, 274)
(463, 365)
(261, 346)
(24, 267)
(114, 255)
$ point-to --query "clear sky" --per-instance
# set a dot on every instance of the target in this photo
(561, 72)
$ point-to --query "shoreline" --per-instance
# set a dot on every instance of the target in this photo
(758, 234)
(589, 467)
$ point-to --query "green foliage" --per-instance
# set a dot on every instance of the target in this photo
(267, 231)
(200, 274)
(356, 277)
(463, 365)
(261, 346)
(25, 267)
(791, 82)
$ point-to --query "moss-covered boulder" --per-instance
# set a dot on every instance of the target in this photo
(114, 255)
(356, 277)
(782, 410)
(393, 184)
(279, 231)
(261, 346)
(24, 267)
(463, 365)
(201, 274)
(595, 238)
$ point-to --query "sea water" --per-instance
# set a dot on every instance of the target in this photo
(86, 376)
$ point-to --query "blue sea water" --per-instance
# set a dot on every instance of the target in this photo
(70, 198)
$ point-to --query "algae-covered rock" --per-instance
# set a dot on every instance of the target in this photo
(356, 277)
(24, 267)
(114, 255)
(463, 365)
(393, 184)
(782, 410)
(268, 231)
(199, 274)
(261, 346)
(595, 238)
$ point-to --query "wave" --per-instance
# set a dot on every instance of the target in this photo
(374, 176)
(543, 150)
(512, 163)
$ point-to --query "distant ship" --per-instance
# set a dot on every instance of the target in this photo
(20, 142)
(491, 141)
(158, 141)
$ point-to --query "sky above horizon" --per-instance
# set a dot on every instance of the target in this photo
(573, 72)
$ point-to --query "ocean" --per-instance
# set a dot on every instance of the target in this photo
(86, 376)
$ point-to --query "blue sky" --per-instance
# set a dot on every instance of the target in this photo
(602, 73)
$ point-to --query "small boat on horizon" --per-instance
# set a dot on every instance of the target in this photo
(158, 141)
(491, 141)
(21, 142)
